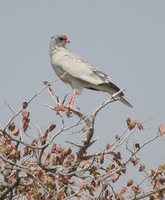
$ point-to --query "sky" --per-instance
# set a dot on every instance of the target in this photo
(125, 39)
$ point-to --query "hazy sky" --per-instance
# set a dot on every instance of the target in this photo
(125, 39)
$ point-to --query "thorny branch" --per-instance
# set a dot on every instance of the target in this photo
(90, 122)
(42, 169)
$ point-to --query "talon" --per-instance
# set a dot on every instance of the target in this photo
(68, 113)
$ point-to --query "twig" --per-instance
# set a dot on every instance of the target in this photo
(28, 102)
(147, 194)
(105, 103)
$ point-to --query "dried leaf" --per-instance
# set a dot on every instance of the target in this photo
(26, 124)
(102, 159)
(8, 139)
(66, 152)
(123, 191)
(71, 158)
(1, 134)
(128, 122)
(25, 115)
(51, 128)
(90, 190)
(53, 150)
(16, 132)
(56, 160)
(27, 151)
(106, 156)
(161, 168)
(134, 161)
(151, 173)
(136, 190)
(63, 155)
(117, 161)
(131, 124)
(118, 196)
(49, 181)
(140, 126)
(29, 197)
(161, 129)
(130, 182)
(24, 105)
(82, 185)
(86, 164)
(105, 184)
(25, 120)
(14, 145)
(94, 171)
(14, 154)
(59, 149)
(157, 184)
(142, 168)
(11, 126)
(116, 155)
(69, 163)
(47, 160)
(95, 184)
(123, 168)
(41, 174)
(137, 145)
(110, 167)
(71, 181)
(43, 139)
(108, 146)
(115, 177)
(162, 181)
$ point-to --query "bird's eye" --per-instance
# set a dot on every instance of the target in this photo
(61, 38)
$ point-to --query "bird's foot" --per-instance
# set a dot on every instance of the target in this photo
(63, 76)
(68, 112)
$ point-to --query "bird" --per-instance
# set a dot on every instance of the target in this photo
(77, 72)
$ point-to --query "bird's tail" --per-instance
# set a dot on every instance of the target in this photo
(111, 88)
(125, 101)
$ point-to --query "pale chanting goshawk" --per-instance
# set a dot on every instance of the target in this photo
(77, 72)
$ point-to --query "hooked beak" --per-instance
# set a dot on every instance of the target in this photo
(67, 41)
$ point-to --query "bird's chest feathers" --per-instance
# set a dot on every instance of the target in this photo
(55, 60)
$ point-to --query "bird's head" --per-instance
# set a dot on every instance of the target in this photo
(59, 40)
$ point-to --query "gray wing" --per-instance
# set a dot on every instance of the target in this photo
(79, 68)
(82, 71)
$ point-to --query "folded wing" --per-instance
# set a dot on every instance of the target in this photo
(79, 68)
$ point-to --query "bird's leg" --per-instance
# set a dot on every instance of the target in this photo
(71, 103)
(72, 99)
